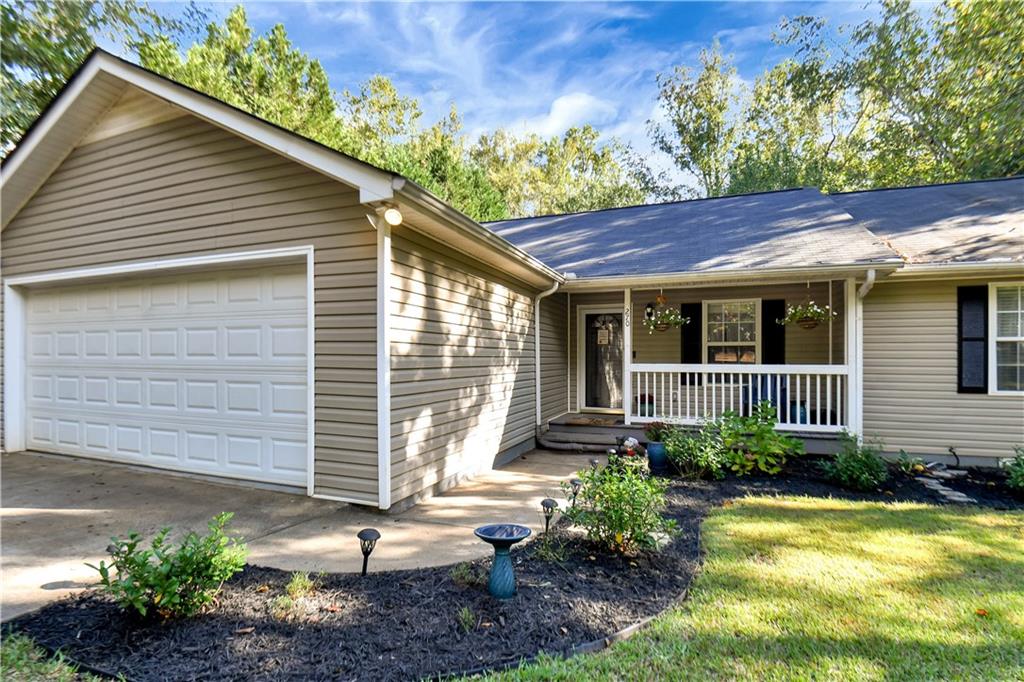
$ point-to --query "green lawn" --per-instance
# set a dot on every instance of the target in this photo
(22, 661)
(800, 589)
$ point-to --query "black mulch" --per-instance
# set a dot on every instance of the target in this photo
(407, 625)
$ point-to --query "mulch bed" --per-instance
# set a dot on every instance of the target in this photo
(406, 624)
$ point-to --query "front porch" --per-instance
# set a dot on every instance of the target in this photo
(730, 356)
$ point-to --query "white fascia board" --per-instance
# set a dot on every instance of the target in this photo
(750, 275)
(951, 270)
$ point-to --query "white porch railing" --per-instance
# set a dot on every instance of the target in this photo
(806, 397)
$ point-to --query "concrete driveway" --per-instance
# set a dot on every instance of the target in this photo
(59, 512)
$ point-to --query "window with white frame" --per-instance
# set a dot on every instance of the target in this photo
(732, 331)
(1008, 368)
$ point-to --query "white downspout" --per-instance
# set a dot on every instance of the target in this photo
(869, 281)
(536, 347)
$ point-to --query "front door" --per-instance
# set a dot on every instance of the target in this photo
(602, 360)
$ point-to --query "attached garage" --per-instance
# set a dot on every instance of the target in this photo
(188, 287)
(202, 372)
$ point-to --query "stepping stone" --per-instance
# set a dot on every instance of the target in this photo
(942, 474)
(955, 473)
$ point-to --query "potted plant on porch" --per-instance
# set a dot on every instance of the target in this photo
(659, 317)
(657, 457)
(807, 315)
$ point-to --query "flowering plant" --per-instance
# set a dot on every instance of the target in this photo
(663, 318)
(807, 314)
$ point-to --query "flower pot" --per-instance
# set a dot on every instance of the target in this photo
(807, 323)
(661, 327)
(657, 458)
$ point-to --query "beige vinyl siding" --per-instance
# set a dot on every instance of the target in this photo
(554, 356)
(461, 365)
(184, 187)
(803, 346)
(910, 377)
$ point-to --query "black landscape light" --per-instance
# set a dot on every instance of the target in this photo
(367, 540)
(575, 484)
(594, 463)
(549, 506)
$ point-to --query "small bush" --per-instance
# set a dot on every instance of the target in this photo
(620, 507)
(696, 456)
(167, 581)
(1015, 469)
(752, 442)
(856, 466)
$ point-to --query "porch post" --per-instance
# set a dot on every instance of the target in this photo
(627, 355)
(854, 334)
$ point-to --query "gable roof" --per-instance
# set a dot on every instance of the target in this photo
(103, 78)
(799, 228)
(963, 222)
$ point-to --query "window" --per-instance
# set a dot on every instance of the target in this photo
(731, 331)
(1007, 371)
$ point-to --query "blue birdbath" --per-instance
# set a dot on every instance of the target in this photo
(502, 583)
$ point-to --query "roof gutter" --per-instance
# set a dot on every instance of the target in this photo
(413, 193)
(965, 269)
(536, 345)
(725, 276)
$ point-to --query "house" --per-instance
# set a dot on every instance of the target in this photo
(188, 287)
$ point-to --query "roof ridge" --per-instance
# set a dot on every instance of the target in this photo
(927, 185)
(656, 203)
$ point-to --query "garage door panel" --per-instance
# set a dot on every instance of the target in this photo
(203, 374)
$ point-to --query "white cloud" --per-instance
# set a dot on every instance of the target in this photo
(576, 108)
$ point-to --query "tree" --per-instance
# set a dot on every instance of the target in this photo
(935, 99)
(263, 75)
(269, 77)
(562, 174)
(45, 41)
(700, 130)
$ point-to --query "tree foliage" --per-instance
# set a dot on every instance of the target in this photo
(45, 41)
(900, 99)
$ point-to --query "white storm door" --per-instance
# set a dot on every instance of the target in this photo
(202, 372)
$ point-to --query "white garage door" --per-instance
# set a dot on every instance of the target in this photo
(197, 372)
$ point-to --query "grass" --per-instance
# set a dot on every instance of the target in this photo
(799, 589)
(21, 660)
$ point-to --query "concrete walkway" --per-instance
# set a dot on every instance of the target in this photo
(59, 512)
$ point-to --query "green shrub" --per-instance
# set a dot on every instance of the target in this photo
(697, 455)
(856, 466)
(171, 581)
(1015, 469)
(752, 442)
(620, 507)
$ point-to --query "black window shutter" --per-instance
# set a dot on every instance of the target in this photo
(773, 334)
(691, 336)
(972, 339)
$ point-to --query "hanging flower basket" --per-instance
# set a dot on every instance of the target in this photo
(807, 322)
(663, 319)
(807, 315)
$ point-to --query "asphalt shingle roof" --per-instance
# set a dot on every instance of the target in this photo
(961, 222)
(790, 228)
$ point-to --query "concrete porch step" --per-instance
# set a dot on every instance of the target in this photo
(562, 435)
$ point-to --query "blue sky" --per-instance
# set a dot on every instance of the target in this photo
(537, 67)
